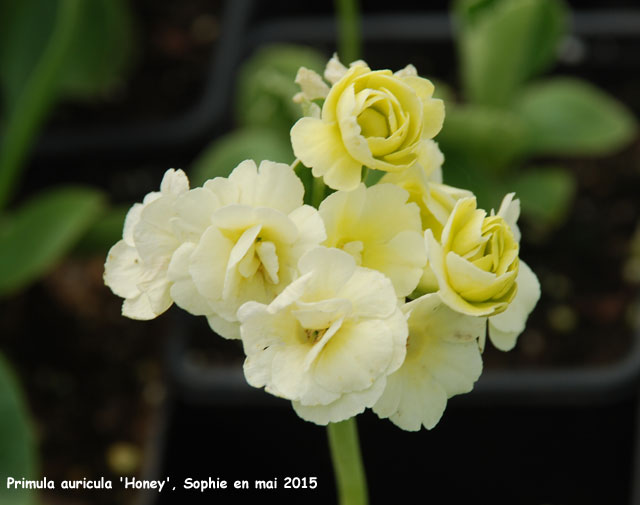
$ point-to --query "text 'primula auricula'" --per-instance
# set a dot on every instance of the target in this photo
(380, 298)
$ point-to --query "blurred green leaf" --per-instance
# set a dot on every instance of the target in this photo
(225, 153)
(545, 194)
(38, 234)
(105, 231)
(101, 49)
(486, 138)
(488, 188)
(571, 117)
(17, 445)
(443, 91)
(503, 43)
(266, 86)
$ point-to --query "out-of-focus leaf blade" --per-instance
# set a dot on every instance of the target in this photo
(18, 457)
(225, 153)
(266, 86)
(545, 194)
(35, 236)
(568, 116)
(486, 138)
(25, 29)
(504, 43)
(488, 188)
(104, 232)
(101, 49)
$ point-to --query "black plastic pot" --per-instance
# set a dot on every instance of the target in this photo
(193, 126)
(558, 436)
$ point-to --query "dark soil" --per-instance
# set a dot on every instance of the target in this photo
(94, 381)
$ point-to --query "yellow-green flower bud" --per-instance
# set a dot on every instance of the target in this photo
(476, 262)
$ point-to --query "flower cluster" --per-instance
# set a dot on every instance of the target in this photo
(380, 298)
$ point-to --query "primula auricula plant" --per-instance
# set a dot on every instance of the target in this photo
(380, 298)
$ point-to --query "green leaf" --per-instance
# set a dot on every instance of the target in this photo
(503, 43)
(486, 138)
(100, 52)
(225, 153)
(18, 456)
(488, 188)
(571, 117)
(105, 231)
(103, 49)
(545, 194)
(266, 86)
(443, 91)
(42, 231)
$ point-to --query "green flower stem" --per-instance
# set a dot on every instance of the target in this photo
(317, 195)
(351, 481)
(349, 36)
(36, 98)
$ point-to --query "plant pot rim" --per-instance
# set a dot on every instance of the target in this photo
(195, 124)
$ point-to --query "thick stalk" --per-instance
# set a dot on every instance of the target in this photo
(34, 101)
(351, 481)
(349, 36)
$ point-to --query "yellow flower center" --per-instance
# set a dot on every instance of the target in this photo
(373, 123)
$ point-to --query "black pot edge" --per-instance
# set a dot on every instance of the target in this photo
(202, 119)
(207, 115)
(437, 26)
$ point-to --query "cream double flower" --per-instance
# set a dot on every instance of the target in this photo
(443, 359)
(328, 341)
(136, 266)
(254, 230)
(375, 119)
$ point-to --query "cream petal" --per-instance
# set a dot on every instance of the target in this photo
(209, 263)
(354, 357)
(225, 191)
(371, 294)
(311, 84)
(266, 252)
(319, 146)
(138, 307)
(174, 182)
(335, 70)
(123, 270)
(332, 268)
(345, 407)
(321, 314)
(311, 230)
(505, 328)
(277, 187)
(510, 212)
(130, 221)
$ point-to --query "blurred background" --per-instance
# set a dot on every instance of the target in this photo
(100, 97)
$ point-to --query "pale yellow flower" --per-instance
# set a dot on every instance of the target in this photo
(249, 231)
(443, 360)
(136, 266)
(380, 230)
(328, 341)
(375, 119)
(476, 260)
